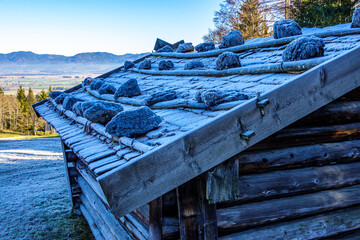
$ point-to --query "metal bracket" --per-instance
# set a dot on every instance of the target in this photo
(261, 103)
(247, 135)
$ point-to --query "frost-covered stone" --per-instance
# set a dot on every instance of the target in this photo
(96, 84)
(166, 48)
(286, 28)
(54, 94)
(128, 65)
(129, 89)
(161, 97)
(356, 19)
(227, 60)
(304, 48)
(185, 47)
(146, 64)
(102, 112)
(166, 65)
(107, 89)
(88, 81)
(233, 38)
(215, 97)
(70, 101)
(77, 108)
(133, 123)
(60, 98)
(193, 64)
(204, 47)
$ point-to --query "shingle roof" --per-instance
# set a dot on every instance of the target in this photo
(262, 70)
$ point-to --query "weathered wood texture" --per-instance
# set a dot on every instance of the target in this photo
(94, 228)
(175, 163)
(155, 221)
(283, 158)
(197, 218)
(316, 227)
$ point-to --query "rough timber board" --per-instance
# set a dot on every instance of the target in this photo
(205, 147)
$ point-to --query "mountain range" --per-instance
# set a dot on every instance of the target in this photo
(24, 57)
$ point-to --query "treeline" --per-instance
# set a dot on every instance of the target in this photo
(255, 18)
(17, 114)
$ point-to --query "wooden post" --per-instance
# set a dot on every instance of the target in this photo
(155, 219)
(197, 218)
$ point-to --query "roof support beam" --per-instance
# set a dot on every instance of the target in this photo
(169, 166)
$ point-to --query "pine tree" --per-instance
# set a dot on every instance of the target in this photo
(49, 90)
(41, 96)
(31, 112)
(21, 97)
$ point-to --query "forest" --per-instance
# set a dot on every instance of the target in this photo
(17, 114)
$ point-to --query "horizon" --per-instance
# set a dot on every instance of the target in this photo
(67, 27)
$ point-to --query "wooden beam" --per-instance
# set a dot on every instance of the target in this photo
(155, 220)
(175, 163)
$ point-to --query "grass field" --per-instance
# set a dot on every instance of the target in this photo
(17, 135)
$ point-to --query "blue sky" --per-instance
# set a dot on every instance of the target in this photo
(123, 26)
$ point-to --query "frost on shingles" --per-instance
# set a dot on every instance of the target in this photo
(133, 123)
(214, 97)
(102, 112)
(304, 48)
(96, 84)
(233, 38)
(129, 89)
(160, 97)
(227, 60)
(107, 89)
(60, 98)
(286, 28)
(70, 101)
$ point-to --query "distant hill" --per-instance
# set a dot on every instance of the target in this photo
(92, 57)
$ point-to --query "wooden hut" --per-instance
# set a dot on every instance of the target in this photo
(283, 164)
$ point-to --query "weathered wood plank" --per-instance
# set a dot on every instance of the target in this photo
(316, 227)
(155, 221)
(249, 215)
(179, 161)
(318, 154)
(94, 228)
(114, 225)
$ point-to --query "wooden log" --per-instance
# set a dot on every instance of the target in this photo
(238, 217)
(170, 228)
(333, 113)
(351, 235)
(209, 145)
(94, 228)
(134, 227)
(310, 155)
(316, 227)
(262, 44)
(155, 228)
(310, 135)
(114, 225)
(296, 181)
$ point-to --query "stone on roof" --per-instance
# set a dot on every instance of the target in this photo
(286, 28)
(304, 48)
(233, 38)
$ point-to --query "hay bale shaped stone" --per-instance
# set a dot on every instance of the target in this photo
(146, 64)
(102, 112)
(70, 101)
(96, 84)
(194, 64)
(304, 48)
(204, 47)
(161, 96)
(60, 98)
(166, 48)
(227, 60)
(55, 94)
(185, 47)
(356, 19)
(233, 38)
(88, 81)
(215, 97)
(107, 89)
(77, 108)
(166, 65)
(129, 89)
(128, 65)
(133, 123)
(286, 28)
